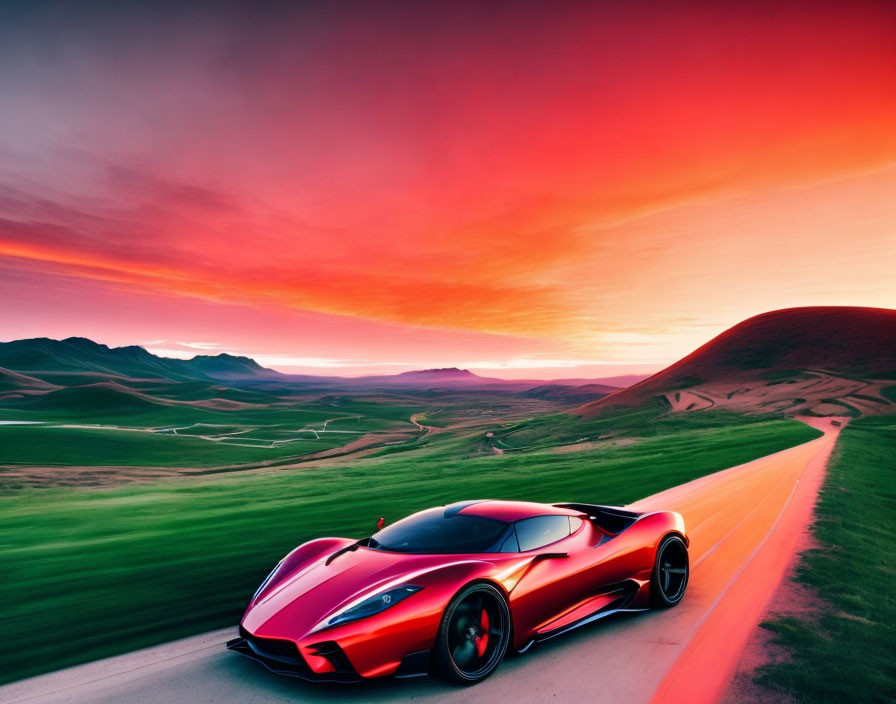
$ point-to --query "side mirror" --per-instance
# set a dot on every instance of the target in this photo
(380, 523)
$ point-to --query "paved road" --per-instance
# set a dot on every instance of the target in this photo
(743, 523)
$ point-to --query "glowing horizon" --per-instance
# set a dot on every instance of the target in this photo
(535, 193)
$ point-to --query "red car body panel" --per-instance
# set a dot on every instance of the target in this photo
(548, 590)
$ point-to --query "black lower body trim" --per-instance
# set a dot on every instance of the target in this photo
(283, 665)
(627, 592)
(414, 665)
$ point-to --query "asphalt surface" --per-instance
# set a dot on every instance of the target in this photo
(743, 523)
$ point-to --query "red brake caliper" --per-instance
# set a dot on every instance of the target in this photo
(482, 638)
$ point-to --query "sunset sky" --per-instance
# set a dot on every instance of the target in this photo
(526, 189)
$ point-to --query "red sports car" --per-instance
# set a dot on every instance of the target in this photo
(451, 589)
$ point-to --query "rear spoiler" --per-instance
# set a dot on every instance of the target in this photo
(610, 518)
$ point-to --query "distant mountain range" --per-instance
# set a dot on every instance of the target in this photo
(820, 360)
(79, 354)
(53, 360)
(798, 362)
(451, 374)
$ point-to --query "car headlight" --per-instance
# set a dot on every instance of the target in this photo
(267, 580)
(374, 604)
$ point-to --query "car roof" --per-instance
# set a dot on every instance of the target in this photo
(506, 510)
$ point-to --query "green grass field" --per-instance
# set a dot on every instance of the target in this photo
(845, 653)
(642, 421)
(90, 573)
(165, 436)
(98, 446)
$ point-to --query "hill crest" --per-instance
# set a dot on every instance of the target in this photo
(814, 355)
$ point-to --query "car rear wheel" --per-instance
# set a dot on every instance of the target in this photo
(670, 572)
(474, 634)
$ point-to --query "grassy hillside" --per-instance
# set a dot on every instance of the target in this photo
(130, 430)
(845, 653)
(646, 420)
(87, 574)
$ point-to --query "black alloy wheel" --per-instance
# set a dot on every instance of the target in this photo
(474, 634)
(670, 572)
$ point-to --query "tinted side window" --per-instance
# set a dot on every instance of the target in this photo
(510, 544)
(537, 532)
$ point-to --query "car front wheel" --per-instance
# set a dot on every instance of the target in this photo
(474, 634)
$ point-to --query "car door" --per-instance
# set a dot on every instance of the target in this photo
(545, 590)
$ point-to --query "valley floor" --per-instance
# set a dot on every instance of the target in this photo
(111, 570)
(740, 521)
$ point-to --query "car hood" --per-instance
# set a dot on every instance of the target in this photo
(316, 590)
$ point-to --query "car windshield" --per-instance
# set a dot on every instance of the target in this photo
(432, 532)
